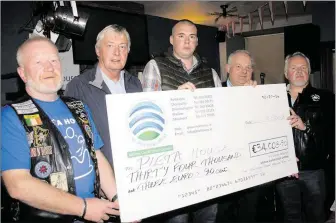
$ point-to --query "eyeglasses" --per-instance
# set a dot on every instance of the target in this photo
(239, 67)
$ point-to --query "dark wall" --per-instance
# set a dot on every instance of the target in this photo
(159, 31)
(135, 24)
(13, 16)
(296, 39)
(234, 43)
(323, 15)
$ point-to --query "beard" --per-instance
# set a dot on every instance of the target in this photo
(43, 88)
(299, 83)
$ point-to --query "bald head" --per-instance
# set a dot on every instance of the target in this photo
(34, 39)
(182, 22)
(240, 67)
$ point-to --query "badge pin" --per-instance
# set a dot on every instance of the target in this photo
(84, 117)
(315, 97)
(59, 180)
(88, 130)
(42, 169)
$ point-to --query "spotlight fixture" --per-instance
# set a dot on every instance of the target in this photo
(62, 21)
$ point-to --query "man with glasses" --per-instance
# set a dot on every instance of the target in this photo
(182, 68)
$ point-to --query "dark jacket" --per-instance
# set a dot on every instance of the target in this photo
(90, 88)
(224, 84)
(174, 75)
(57, 160)
(316, 107)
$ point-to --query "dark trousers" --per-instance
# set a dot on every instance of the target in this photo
(204, 212)
(302, 200)
(240, 206)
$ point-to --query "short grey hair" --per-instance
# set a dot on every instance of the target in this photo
(241, 51)
(288, 57)
(33, 38)
(113, 28)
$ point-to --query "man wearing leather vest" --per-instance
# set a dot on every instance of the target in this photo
(182, 68)
(51, 163)
(312, 119)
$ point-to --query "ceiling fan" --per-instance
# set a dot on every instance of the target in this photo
(226, 18)
(225, 13)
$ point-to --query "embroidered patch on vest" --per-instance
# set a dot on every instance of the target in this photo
(88, 130)
(40, 151)
(79, 109)
(40, 136)
(33, 120)
(30, 138)
(83, 117)
(25, 107)
(59, 180)
(42, 169)
(315, 97)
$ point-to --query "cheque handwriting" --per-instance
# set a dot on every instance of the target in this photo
(268, 146)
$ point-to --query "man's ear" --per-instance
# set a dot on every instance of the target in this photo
(171, 40)
(21, 73)
(97, 51)
(227, 68)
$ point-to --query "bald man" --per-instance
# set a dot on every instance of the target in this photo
(180, 69)
(239, 68)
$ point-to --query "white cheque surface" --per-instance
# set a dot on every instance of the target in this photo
(176, 148)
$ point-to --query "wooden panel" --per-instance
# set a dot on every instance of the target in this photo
(268, 53)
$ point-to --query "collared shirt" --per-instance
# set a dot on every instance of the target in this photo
(288, 91)
(228, 83)
(151, 77)
(117, 87)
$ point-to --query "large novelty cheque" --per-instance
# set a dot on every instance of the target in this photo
(172, 149)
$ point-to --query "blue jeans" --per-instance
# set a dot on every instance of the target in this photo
(302, 200)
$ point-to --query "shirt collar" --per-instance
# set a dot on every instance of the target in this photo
(288, 87)
(99, 79)
(228, 83)
(107, 79)
(194, 64)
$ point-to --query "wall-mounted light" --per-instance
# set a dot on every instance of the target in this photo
(63, 21)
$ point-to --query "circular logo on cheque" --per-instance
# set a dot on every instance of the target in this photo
(146, 121)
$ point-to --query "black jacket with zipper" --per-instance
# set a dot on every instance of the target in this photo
(315, 145)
